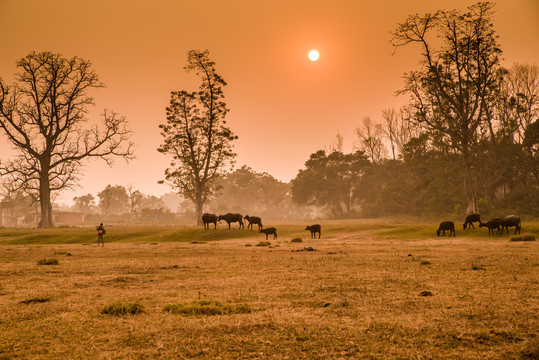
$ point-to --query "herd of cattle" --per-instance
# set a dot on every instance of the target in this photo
(497, 224)
(208, 219)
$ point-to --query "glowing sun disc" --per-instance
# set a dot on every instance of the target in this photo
(313, 55)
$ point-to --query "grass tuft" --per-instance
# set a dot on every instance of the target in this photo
(48, 262)
(263, 243)
(35, 300)
(120, 309)
(425, 262)
(62, 253)
(296, 240)
(476, 268)
(207, 308)
(525, 237)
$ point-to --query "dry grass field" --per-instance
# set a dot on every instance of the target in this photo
(357, 293)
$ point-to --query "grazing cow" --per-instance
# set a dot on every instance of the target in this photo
(316, 228)
(470, 219)
(269, 231)
(230, 218)
(253, 220)
(495, 223)
(510, 221)
(208, 219)
(446, 225)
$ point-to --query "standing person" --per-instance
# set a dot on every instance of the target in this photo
(100, 232)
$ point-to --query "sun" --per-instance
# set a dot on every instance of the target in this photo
(314, 55)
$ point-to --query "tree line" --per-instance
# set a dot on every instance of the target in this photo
(466, 142)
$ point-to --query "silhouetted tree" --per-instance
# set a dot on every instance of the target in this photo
(42, 115)
(196, 135)
(84, 203)
(370, 140)
(457, 81)
(113, 199)
(329, 180)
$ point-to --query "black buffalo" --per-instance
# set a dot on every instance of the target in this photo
(446, 225)
(208, 219)
(316, 228)
(470, 219)
(253, 220)
(269, 231)
(492, 224)
(230, 218)
(510, 221)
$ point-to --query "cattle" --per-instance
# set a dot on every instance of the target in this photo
(268, 231)
(510, 221)
(230, 218)
(470, 219)
(446, 225)
(316, 228)
(253, 220)
(492, 224)
(208, 219)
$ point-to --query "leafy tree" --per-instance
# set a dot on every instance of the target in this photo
(330, 180)
(43, 114)
(196, 135)
(113, 199)
(457, 82)
(84, 203)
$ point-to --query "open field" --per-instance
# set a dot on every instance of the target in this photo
(355, 295)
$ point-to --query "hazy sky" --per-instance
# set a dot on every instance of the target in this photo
(282, 106)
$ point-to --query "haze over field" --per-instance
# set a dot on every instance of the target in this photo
(283, 106)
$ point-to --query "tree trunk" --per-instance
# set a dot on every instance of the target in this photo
(469, 188)
(199, 205)
(45, 200)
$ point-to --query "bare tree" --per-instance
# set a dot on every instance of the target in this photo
(370, 140)
(336, 145)
(457, 81)
(196, 135)
(398, 129)
(43, 114)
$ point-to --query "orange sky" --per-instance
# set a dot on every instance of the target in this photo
(283, 106)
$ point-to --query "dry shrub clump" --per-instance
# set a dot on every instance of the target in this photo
(207, 308)
(264, 243)
(525, 237)
(296, 240)
(48, 262)
(120, 309)
(35, 300)
(62, 253)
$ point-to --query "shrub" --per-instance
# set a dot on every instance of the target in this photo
(424, 262)
(119, 309)
(525, 237)
(263, 243)
(475, 267)
(62, 253)
(296, 240)
(48, 262)
(34, 300)
(208, 308)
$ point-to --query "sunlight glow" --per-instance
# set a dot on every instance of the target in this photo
(313, 55)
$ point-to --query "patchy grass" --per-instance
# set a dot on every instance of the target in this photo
(48, 262)
(296, 240)
(35, 300)
(359, 296)
(264, 243)
(62, 253)
(425, 262)
(207, 308)
(120, 309)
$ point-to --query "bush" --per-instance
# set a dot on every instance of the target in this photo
(424, 262)
(525, 237)
(296, 240)
(119, 309)
(208, 308)
(48, 262)
(264, 243)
